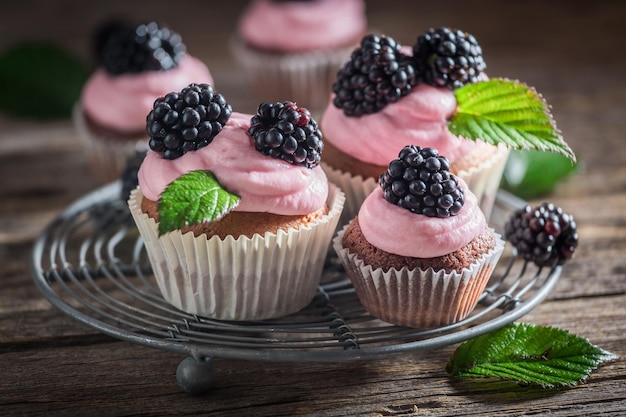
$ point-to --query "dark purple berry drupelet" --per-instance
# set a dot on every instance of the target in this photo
(129, 174)
(186, 121)
(420, 181)
(376, 74)
(448, 58)
(543, 234)
(122, 49)
(285, 131)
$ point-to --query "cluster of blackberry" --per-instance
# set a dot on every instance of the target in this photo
(285, 131)
(543, 234)
(189, 120)
(121, 48)
(420, 181)
(186, 121)
(376, 75)
(379, 73)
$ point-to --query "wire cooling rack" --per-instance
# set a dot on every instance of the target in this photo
(91, 264)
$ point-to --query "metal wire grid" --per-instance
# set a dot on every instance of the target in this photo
(90, 263)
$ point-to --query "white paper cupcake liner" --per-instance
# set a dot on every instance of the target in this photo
(108, 156)
(355, 188)
(305, 78)
(239, 279)
(484, 179)
(418, 298)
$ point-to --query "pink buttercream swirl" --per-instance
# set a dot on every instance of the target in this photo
(399, 231)
(264, 184)
(303, 26)
(122, 102)
(419, 118)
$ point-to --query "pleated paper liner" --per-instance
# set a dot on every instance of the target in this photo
(418, 298)
(239, 279)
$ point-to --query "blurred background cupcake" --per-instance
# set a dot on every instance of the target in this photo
(292, 50)
(136, 65)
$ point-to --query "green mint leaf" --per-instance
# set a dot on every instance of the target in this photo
(40, 81)
(509, 112)
(533, 174)
(527, 353)
(192, 198)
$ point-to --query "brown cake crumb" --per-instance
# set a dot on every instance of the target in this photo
(355, 242)
(238, 223)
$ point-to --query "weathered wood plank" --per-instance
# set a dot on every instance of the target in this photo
(113, 378)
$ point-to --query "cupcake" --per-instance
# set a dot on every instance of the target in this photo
(136, 65)
(419, 253)
(236, 225)
(293, 49)
(387, 96)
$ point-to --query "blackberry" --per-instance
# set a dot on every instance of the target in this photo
(544, 234)
(448, 58)
(129, 174)
(103, 32)
(285, 131)
(420, 181)
(376, 74)
(124, 49)
(186, 121)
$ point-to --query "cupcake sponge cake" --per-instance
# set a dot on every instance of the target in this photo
(463, 257)
(136, 65)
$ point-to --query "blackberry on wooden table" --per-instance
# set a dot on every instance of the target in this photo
(544, 234)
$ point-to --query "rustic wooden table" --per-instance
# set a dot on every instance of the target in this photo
(572, 52)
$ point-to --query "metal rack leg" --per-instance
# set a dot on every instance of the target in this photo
(195, 375)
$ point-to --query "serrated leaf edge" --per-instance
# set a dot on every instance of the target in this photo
(551, 139)
(603, 356)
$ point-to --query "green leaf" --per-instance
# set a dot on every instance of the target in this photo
(192, 198)
(509, 112)
(533, 174)
(530, 354)
(40, 81)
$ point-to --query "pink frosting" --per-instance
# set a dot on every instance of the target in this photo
(122, 102)
(420, 118)
(399, 231)
(303, 26)
(264, 184)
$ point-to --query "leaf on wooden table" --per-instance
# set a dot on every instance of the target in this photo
(526, 353)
